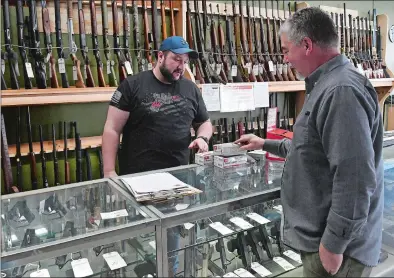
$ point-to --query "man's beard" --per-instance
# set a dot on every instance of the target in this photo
(167, 74)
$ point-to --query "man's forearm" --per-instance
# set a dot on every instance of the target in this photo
(277, 147)
(205, 129)
(109, 148)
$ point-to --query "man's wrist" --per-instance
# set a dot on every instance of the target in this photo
(203, 138)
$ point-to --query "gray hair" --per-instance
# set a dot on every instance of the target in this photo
(313, 23)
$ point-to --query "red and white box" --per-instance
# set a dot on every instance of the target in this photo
(226, 162)
(228, 149)
(204, 158)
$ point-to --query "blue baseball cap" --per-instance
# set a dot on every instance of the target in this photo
(178, 45)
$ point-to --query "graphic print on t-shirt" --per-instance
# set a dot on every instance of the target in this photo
(164, 102)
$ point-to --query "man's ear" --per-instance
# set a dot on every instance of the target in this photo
(308, 45)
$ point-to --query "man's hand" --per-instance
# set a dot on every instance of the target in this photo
(250, 142)
(199, 144)
(330, 261)
(110, 174)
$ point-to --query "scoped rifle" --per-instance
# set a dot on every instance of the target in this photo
(96, 47)
(59, 44)
(22, 47)
(84, 48)
(77, 75)
(48, 42)
(110, 63)
(10, 55)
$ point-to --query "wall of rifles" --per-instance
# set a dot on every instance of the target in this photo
(82, 44)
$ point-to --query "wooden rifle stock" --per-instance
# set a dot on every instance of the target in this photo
(173, 31)
(96, 51)
(147, 34)
(163, 20)
(244, 43)
(222, 47)
(79, 82)
(238, 46)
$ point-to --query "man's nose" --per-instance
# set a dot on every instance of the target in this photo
(285, 58)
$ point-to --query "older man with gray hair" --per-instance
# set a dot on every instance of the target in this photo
(332, 184)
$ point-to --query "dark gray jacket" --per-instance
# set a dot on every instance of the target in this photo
(332, 184)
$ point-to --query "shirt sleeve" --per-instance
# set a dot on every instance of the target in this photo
(122, 97)
(344, 123)
(277, 147)
(202, 113)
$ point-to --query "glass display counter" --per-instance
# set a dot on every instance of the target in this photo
(232, 227)
(77, 230)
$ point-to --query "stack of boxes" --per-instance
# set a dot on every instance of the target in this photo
(224, 156)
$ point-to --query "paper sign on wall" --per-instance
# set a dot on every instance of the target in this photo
(211, 96)
(236, 97)
(261, 94)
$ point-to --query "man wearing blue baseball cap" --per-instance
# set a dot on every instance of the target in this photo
(154, 111)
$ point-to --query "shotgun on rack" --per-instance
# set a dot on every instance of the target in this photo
(271, 51)
(3, 84)
(78, 153)
(277, 50)
(163, 20)
(21, 44)
(286, 67)
(67, 179)
(155, 30)
(136, 37)
(59, 45)
(77, 75)
(95, 43)
(118, 52)
(84, 48)
(107, 52)
(48, 43)
(54, 155)
(223, 49)
(32, 156)
(18, 154)
(10, 54)
(173, 29)
(148, 39)
(241, 67)
(100, 163)
(126, 34)
(43, 160)
(245, 47)
(268, 64)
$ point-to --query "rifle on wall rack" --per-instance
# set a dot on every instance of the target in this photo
(32, 156)
(286, 67)
(271, 51)
(163, 20)
(107, 52)
(155, 30)
(268, 64)
(126, 34)
(84, 48)
(241, 67)
(118, 52)
(277, 51)
(173, 29)
(136, 37)
(223, 48)
(59, 45)
(148, 39)
(95, 43)
(43, 159)
(54, 155)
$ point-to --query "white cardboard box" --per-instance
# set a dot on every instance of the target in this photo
(227, 149)
(204, 158)
(225, 162)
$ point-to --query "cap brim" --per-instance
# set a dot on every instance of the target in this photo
(192, 53)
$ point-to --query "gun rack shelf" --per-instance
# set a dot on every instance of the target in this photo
(86, 142)
(25, 97)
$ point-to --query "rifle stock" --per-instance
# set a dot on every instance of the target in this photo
(148, 38)
(238, 46)
(173, 31)
(163, 20)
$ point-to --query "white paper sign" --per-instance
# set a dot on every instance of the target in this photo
(223, 230)
(62, 66)
(211, 96)
(293, 255)
(29, 70)
(113, 214)
(40, 273)
(236, 97)
(260, 270)
(81, 268)
(128, 67)
(114, 260)
(283, 263)
(271, 118)
(241, 223)
(261, 94)
(234, 71)
(258, 218)
(75, 74)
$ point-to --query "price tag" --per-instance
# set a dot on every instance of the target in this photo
(241, 272)
(255, 70)
(284, 69)
(234, 70)
(261, 69)
(108, 67)
(114, 260)
(218, 68)
(109, 197)
(2, 66)
(258, 218)
(260, 270)
(293, 255)
(283, 263)
(150, 66)
(381, 73)
(75, 75)
(219, 227)
(152, 244)
(249, 67)
(275, 69)
(42, 207)
(81, 268)
(241, 223)
(114, 214)
(29, 70)
(85, 75)
(280, 68)
(128, 67)
(213, 66)
(40, 273)
(62, 65)
(188, 226)
(271, 66)
(50, 72)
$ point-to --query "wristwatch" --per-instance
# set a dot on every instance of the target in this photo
(204, 138)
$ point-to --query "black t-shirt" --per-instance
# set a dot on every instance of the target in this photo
(157, 133)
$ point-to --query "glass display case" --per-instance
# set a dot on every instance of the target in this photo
(85, 229)
(233, 226)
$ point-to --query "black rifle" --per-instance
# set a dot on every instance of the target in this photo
(96, 47)
(110, 64)
(54, 154)
(78, 154)
(100, 162)
(21, 43)
(126, 33)
(3, 84)
(18, 150)
(43, 160)
(136, 36)
(88, 165)
(35, 51)
(84, 48)
(5, 160)
(33, 173)
(48, 42)
(118, 52)
(59, 44)
(155, 30)
(65, 151)
(11, 55)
